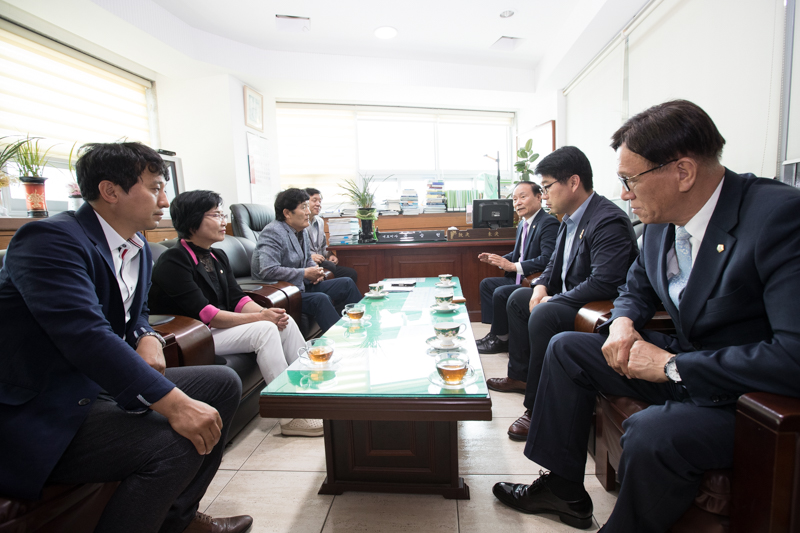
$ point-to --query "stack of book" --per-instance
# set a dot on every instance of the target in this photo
(409, 202)
(393, 207)
(435, 200)
(343, 231)
(459, 200)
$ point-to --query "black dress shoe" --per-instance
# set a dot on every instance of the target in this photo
(538, 498)
(484, 338)
(492, 345)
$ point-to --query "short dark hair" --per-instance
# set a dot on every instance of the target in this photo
(565, 162)
(120, 163)
(536, 189)
(289, 199)
(312, 191)
(188, 209)
(670, 131)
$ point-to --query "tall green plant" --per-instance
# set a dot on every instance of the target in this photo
(31, 158)
(360, 194)
(524, 164)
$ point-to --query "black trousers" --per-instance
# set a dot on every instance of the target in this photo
(163, 478)
(494, 296)
(340, 271)
(530, 333)
(666, 447)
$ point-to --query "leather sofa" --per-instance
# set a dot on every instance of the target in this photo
(760, 493)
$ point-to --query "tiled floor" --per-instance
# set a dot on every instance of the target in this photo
(275, 479)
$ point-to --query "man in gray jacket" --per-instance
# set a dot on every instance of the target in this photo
(283, 253)
(318, 245)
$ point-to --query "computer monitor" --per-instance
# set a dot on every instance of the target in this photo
(493, 213)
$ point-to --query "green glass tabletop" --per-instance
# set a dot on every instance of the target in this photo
(391, 351)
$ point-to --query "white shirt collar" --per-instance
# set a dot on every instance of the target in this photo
(529, 220)
(699, 222)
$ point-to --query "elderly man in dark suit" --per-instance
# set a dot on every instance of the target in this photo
(536, 239)
(84, 395)
(594, 248)
(283, 253)
(721, 252)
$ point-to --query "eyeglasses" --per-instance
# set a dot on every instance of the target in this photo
(546, 188)
(626, 181)
(221, 217)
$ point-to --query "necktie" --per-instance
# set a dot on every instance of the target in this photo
(683, 251)
(522, 249)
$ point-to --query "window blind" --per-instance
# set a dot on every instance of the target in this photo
(47, 90)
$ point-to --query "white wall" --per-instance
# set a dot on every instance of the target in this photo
(724, 55)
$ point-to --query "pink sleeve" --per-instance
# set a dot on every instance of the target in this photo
(208, 313)
(242, 303)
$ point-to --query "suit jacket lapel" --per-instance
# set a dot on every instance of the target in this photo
(579, 231)
(554, 287)
(665, 245)
(91, 226)
(532, 232)
(714, 251)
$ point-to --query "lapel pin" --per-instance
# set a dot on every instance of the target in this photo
(720, 248)
(581, 235)
(221, 272)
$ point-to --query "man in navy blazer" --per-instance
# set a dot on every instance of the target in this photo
(84, 393)
(721, 251)
(594, 248)
(536, 239)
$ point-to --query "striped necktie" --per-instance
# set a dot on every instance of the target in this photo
(522, 244)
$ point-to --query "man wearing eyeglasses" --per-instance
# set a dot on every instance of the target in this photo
(595, 246)
(721, 251)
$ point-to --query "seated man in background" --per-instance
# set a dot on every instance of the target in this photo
(84, 395)
(318, 244)
(721, 252)
(195, 280)
(283, 253)
(536, 239)
(594, 248)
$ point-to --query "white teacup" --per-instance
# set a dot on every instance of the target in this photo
(445, 278)
(376, 288)
(443, 297)
(447, 332)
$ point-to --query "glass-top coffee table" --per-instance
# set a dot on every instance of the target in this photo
(391, 423)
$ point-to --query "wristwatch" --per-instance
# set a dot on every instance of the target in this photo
(151, 334)
(671, 370)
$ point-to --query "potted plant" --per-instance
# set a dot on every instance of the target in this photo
(32, 160)
(74, 198)
(7, 153)
(524, 164)
(364, 200)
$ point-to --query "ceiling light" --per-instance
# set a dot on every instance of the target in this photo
(386, 32)
(290, 24)
(507, 14)
(507, 44)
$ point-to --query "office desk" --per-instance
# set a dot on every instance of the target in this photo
(388, 428)
(374, 262)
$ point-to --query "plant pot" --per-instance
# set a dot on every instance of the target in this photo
(74, 203)
(34, 196)
(366, 225)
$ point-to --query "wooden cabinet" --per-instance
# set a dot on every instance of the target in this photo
(374, 262)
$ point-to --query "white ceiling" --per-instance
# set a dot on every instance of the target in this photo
(456, 31)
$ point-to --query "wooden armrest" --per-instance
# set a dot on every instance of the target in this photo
(528, 280)
(591, 315)
(328, 274)
(295, 305)
(189, 342)
(766, 454)
(268, 296)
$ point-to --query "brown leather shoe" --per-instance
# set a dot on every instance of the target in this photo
(519, 429)
(202, 523)
(506, 385)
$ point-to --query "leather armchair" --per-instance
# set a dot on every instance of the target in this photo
(762, 490)
(248, 220)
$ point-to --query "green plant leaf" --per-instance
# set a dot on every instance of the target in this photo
(529, 145)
